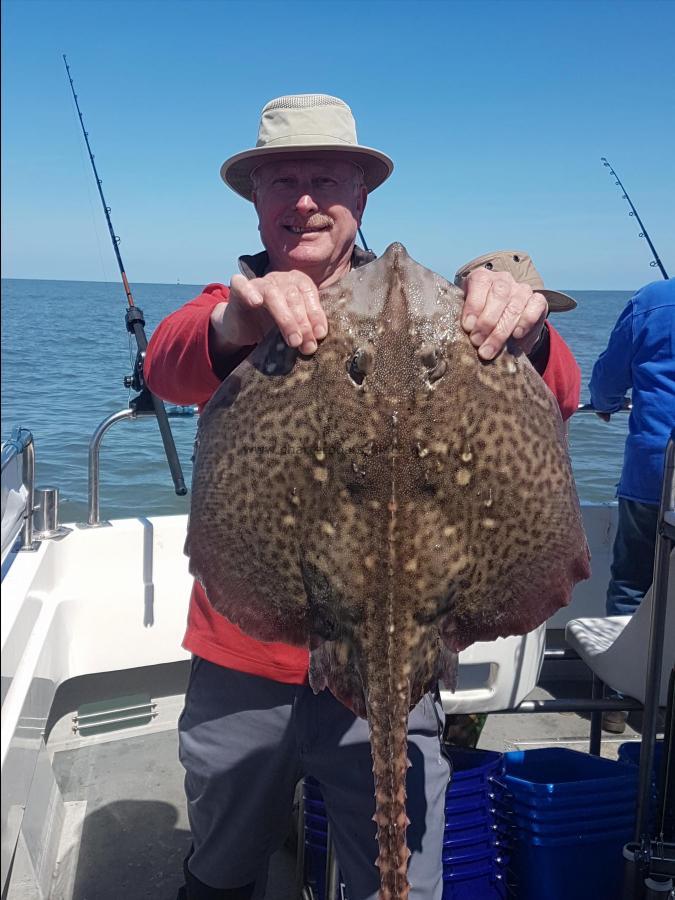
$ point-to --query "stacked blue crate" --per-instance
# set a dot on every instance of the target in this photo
(474, 854)
(569, 815)
(629, 754)
(474, 845)
(316, 840)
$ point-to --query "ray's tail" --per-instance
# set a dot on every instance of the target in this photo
(388, 718)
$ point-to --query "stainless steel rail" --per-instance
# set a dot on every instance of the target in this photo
(21, 444)
(15, 445)
(94, 514)
(93, 479)
(626, 406)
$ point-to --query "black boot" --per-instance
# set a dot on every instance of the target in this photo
(194, 889)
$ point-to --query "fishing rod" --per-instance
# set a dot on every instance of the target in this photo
(135, 325)
(656, 261)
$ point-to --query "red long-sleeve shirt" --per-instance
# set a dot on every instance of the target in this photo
(179, 369)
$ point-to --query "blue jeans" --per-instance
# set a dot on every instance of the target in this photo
(633, 558)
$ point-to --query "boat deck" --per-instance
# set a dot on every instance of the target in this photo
(129, 831)
(92, 627)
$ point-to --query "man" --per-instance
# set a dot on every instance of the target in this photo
(640, 356)
(252, 727)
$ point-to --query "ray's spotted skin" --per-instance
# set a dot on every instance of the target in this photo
(387, 501)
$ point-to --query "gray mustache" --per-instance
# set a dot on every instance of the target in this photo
(317, 221)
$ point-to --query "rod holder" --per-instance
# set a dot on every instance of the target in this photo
(46, 512)
(635, 869)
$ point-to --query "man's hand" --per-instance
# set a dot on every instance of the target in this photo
(289, 300)
(496, 308)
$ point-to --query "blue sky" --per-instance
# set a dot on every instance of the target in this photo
(495, 113)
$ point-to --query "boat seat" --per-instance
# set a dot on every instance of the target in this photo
(496, 675)
(615, 648)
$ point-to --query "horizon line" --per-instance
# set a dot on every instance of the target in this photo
(99, 281)
(203, 284)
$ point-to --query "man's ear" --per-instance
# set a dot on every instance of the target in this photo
(361, 204)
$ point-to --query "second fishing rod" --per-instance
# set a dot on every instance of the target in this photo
(633, 212)
(136, 326)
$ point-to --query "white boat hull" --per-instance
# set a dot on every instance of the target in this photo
(115, 598)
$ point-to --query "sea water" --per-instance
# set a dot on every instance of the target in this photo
(65, 352)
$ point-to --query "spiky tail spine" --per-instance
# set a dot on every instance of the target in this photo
(388, 718)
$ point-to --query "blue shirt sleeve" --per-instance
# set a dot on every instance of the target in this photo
(611, 376)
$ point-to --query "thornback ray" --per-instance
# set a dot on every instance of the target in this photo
(386, 502)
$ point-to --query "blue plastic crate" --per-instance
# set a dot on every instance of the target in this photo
(567, 816)
(468, 805)
(482, 879)
(566, 777)
(598, 802)
(316, 823)
(485, 885)
(315, 808)
(487, 838)
(459, 866)
(311, 789)
(477, 831)
(572, 827)
(473, 820)
(315, 868)
(582, 867)
(472, 782)
(629, 754)
(552, 812)
(470, 862)
(459, 852)
(474, 765)
(468, 795)
(473, 770)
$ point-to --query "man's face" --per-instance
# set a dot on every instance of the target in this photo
(309, 212)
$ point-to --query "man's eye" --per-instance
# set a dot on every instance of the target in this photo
(324, 182)
(282, 181)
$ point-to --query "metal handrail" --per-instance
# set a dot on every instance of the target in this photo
(93, 480)
(15, 445)
(626, 406)
(21, 444)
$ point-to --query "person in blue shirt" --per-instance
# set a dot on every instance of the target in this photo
(640, 356)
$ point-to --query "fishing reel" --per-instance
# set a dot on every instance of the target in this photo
(135, 381)
(143, 401)
(135, 323)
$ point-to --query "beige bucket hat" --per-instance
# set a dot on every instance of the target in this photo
(520, 265)
(302, 125)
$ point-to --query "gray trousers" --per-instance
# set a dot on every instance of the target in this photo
(245, 742)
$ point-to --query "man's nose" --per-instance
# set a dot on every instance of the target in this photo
(306, 204)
